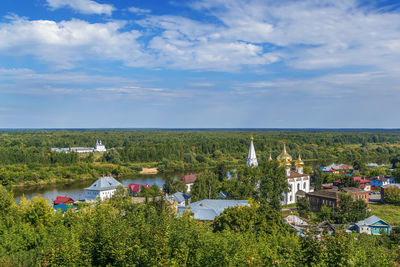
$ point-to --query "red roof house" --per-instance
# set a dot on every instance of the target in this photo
(60, 200)
(189, 178)
(134, 189)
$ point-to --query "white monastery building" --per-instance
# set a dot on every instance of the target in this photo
(103, 188)
(299, 182)
(99, 147)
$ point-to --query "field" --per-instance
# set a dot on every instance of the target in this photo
(387, 212)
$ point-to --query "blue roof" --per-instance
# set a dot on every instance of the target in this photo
(208, 209)
(63, 207)
(104, 183)
(370, 221)
(179, 197)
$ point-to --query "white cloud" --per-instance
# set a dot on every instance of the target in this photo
(82, 6)
(249, 34)
(67, 42)
(137, 10)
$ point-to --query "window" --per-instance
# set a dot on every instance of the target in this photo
(290, 198)
(298, 186)
(304, 185)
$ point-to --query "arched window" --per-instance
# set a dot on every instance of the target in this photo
(290, 198)
(304, 186)
(298, 186)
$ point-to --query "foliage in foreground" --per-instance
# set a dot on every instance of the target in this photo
(120, 233)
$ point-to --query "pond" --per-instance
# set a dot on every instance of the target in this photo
(75, 190)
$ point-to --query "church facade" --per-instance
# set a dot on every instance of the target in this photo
(298, 181)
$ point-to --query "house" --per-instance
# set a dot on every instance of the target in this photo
(60, 200)
(381, 180)
(180, 198)
(134, 189)
(103, 188)
(364, 183)
(208, 209)
(295, 220)
(373, 226)
(63, 206)
(330, 197)
(81, 149)
(189, 180)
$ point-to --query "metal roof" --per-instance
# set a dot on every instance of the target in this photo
(370, 220)
(179, 197)
(104, 183)
(208, 209)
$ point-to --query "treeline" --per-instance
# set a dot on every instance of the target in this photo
(122, 233)
(26, 146)
(190, 150)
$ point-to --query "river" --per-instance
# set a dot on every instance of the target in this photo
(75, 190)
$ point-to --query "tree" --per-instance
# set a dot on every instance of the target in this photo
(317, 179)
(238, 219)
(392, 195)
(272, 183)
(172, 185)
(205, 186)
(303, 207)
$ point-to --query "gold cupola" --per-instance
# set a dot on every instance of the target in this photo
(299, 162)
(284, 157)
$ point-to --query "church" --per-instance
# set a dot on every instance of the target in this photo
(299, 182)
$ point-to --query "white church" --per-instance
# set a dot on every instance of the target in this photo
(299, 183)
(99, 147)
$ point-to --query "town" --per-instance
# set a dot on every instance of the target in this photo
(327, 199)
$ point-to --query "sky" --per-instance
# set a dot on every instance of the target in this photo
(199, 64)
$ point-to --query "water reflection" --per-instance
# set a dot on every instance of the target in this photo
(75, 190)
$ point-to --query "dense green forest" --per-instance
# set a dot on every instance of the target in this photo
(121, 233)
(25, 154)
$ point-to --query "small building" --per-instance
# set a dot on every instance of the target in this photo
(81, 149)
(373, 226)
(180, 198)
(61, 200)
(134, 189)
(295, 220)
(189, 180)
(330, 197)
(103, 188)
(208, 209)
(364, 183)
(381, 180)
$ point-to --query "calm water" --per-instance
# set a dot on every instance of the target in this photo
(76, 190)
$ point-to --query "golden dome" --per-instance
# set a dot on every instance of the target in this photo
(287, 164)
(299, 162)
(284, 156)
(251, 138)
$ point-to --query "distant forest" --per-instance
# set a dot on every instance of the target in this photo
(26, 155)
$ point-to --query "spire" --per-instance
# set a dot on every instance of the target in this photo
(252, 158)
(299, 162)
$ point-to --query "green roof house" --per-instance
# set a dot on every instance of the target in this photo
(373, 226)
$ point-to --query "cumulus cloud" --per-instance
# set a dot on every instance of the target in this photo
(248, 34)
(67, 42)
(82, 6)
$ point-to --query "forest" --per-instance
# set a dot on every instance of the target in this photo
(25, 155)
(119, 232)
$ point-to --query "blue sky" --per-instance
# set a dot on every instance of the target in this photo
(200, 63)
